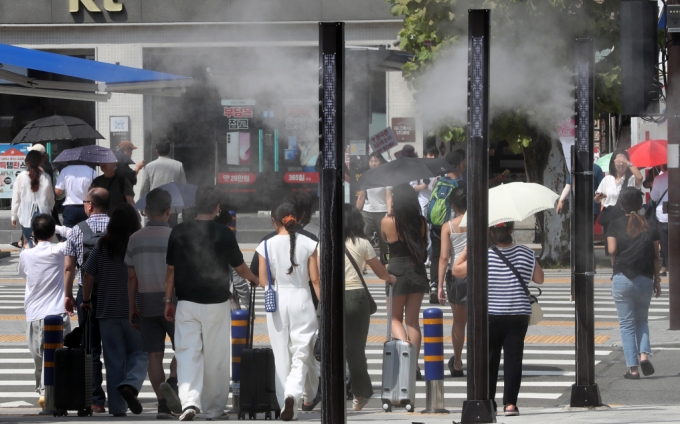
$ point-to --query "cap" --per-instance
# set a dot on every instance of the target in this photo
(408, 151)
(126, 144)
(38, 148)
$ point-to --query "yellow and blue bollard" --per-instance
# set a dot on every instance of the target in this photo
(54, 339)
(433, 341)
(239, 340)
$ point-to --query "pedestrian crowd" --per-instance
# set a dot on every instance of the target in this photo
(138, 286)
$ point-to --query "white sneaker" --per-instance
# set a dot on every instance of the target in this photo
(288, 411)
(188, 414)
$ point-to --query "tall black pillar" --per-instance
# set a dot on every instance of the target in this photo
(332, 259)
(478, 408)
(585, 392)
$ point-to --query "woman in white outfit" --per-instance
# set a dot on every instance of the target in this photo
(32, 195)
(292, 263)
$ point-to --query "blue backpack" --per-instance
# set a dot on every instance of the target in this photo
(439, 209)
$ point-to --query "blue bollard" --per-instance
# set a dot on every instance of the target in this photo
(433, 341)
(54, 339)
(239, 340)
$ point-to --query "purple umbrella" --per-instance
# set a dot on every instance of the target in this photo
(87, 154)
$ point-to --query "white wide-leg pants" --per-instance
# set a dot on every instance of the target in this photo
(202, 343)
(291, 333)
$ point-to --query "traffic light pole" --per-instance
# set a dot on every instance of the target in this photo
(673, 114)
(585, 393)
(332, 259)
(478, 408)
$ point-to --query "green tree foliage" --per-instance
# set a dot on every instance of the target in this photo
(432, 27)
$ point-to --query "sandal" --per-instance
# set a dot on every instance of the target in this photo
(646, 367)
(630, 376)
(511, 412)
(359, 405)
(15, 244)
(454, 372)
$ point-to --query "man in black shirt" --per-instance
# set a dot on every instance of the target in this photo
(119, 188)
(199, 255)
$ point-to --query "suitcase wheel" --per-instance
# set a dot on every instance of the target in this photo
(277, 414)
(267, 415)
(85, 412)
(409, 407)
(61, 413)
(241, 415)
(252, 416)
(387, 407)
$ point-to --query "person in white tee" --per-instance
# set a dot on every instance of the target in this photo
(375, 204)
(43, 268)
(74, 181)
(660, 195)
(290, 260)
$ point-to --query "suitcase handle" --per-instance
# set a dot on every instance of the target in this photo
(251, 316)
(389, 313)
(87, 333)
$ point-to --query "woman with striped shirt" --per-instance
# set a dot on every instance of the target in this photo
(509, 309)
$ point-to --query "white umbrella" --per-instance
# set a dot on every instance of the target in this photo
(517, 202)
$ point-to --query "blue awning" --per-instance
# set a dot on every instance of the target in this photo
(103, 77)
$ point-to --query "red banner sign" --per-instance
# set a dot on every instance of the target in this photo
(301, 177)
(236, 178)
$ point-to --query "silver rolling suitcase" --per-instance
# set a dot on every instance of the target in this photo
(399, 369)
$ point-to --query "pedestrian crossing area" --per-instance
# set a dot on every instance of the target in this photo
(548, 369)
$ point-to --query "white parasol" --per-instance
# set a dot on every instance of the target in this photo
(516, 202)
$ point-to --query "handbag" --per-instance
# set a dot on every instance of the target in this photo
(269, 292)
(536, 310)
(374, 307)
(650, 213)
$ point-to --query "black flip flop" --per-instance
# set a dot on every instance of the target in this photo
(630, 376)
(454, 372)
(647, 367)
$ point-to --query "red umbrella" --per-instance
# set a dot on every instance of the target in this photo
(649, 153)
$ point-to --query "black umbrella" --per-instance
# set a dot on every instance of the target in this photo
(54, 128)
(403, 171)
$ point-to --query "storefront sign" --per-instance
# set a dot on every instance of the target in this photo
(404, 128)
(238, 102)
(11, 164)
(301, 115)
(238, 124)
(119, 129)
(236, 178)
(91, 6)
(301, 177)
(383, 141)
(238, 112)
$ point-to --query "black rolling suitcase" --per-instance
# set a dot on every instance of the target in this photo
(73, 377)
(258, 389)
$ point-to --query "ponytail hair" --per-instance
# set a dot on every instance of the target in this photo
(630, 200)
(33, 161)
(284, 214)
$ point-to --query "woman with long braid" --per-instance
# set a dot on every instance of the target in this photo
(292, 262)
(634, 250)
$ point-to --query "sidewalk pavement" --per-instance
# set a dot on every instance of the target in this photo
(603, 415)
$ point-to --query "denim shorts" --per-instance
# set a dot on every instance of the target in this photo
(410, 279)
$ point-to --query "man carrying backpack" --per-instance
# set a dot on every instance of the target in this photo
(439, 212)
(81, 239)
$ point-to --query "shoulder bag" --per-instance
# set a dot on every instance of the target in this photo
(269, 292)
(374, 307)
(536, 311)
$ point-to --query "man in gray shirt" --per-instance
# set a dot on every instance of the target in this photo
(145, 259)
(162, 170)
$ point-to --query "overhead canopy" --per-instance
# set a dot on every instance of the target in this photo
(100, 77)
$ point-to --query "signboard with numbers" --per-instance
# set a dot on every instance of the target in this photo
(11, 164)
(236, 178)
(383, 141)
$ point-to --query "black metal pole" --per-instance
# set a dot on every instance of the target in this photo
(585, 393)
(478, 408)
(332, 259)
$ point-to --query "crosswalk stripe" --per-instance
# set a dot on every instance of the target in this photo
(568, 362)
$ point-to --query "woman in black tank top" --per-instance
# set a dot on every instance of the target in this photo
(406, 233)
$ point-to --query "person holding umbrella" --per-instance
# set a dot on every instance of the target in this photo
(375, 204)
(32, 195)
